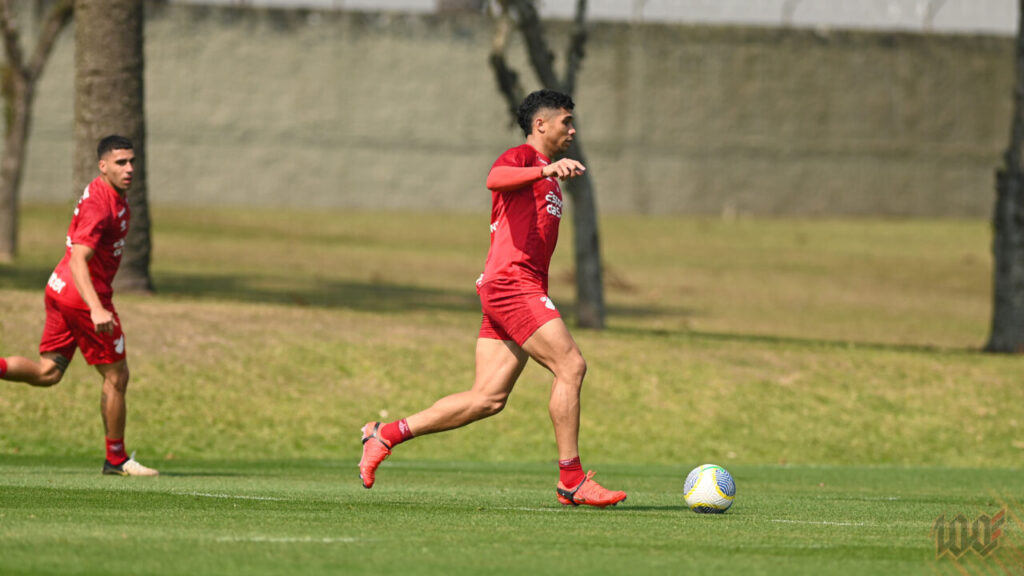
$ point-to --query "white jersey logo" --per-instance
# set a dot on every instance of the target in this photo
(547, 303)
(119, 345)
(56, 284)
(554, 205)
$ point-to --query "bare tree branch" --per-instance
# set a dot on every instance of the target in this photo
(56, 20)
(17, 87)
(577, 41)
(931, 11)
(508, 79)
(12, 43)
(541, 57)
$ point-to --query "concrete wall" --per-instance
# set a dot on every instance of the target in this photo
(333, 109)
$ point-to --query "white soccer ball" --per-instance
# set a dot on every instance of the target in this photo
(709, 489)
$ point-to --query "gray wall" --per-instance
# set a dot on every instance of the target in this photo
(332, 109)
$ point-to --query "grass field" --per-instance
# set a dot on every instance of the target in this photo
(308, 517)
(832, 366)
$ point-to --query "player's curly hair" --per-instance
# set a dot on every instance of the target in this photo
(111, 143)
(538, 100)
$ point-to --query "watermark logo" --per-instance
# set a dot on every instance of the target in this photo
(960, 535)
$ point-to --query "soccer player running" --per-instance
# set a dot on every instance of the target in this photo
(79, 308)
(519, 320)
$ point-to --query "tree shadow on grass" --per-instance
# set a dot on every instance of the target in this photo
(372, 296)
(316, 292)
(385, 297)
(24, 277)
(803, 342)
(199, 473)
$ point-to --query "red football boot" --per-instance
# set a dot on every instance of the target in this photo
(589, 493)
(375, 450)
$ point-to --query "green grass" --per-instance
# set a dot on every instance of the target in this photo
(308, 516)
(833, 366)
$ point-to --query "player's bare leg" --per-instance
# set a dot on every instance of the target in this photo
(48, 371)
(498, 364)
(113, 408)
(553, 346)
(112, 399)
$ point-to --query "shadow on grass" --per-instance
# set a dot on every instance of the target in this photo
(22, 277)
(374, 296)
(384, 297)
(200, 474)
(627, 507)
(316, 292)
(736, 337)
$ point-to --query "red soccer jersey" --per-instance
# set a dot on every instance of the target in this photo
(101, 223)
(524, 222)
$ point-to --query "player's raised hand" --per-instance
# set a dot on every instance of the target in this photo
(564, 169)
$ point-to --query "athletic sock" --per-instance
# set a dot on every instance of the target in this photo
(3, 367)
(115, 451)
(570, 472)
(396, 432)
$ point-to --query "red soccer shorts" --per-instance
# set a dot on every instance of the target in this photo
(69, 328)
(514, 310)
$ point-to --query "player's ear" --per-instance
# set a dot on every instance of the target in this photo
(538, 123)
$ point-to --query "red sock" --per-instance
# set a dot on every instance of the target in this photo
(3, 367)
(396, 432)
(115, 451)
(570, 472)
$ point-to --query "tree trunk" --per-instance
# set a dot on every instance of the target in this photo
(1008, 226)
(18, 86)
(109, 100)
(589, 284)
(1008, 251)
(12, 163)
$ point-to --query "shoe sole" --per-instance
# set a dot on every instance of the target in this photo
(576, 504)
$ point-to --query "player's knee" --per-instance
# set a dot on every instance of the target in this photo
(575, 368)
(495, 406)
(51, 370)
(117, 380)
(489, 405)
(49, 377)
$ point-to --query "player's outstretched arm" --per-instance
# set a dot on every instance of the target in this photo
(506, 178)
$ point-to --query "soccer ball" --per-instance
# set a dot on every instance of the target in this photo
(709, 489)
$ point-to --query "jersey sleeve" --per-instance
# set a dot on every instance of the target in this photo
(90, 219)
(513, 157)
(513, 170)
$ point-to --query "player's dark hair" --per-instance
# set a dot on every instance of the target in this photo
(538, 100)
(111, 143)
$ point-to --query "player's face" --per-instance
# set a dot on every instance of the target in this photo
(558, 129)
(117, 168)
